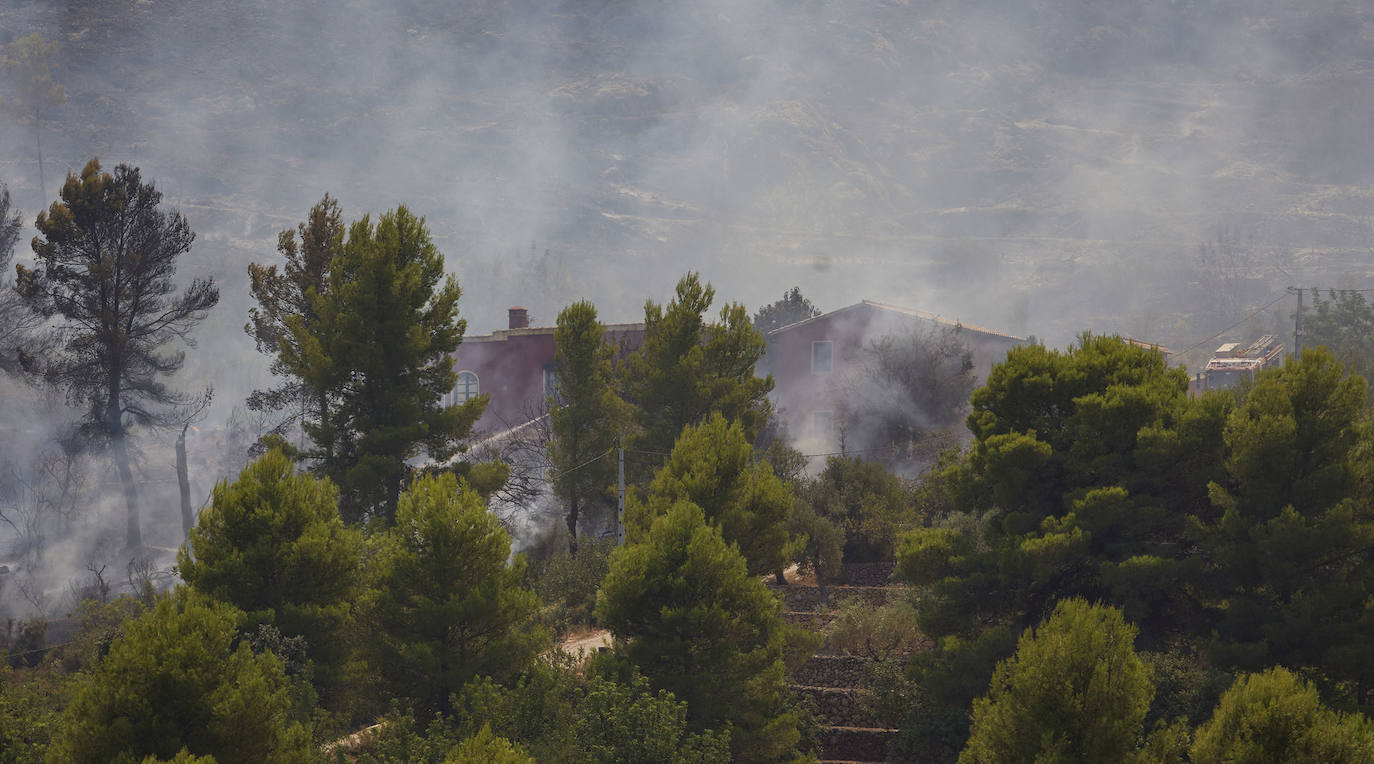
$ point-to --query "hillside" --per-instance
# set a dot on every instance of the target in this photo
(1041, 169)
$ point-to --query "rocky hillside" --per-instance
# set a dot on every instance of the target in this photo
(1038, 167)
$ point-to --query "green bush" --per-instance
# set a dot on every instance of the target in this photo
(1276, 716)
(179, 677)
(874, 633)
(567, 583)
(1074, 691)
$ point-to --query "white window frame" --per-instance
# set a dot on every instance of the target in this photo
(460, 398)
(549, 374)
(816, 430)
(831, 358)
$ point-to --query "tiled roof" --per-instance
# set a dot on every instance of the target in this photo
(501, 335)
(912, 312)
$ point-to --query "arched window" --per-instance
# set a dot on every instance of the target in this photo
(467, 387)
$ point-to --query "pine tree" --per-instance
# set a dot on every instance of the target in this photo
(587, 416)
(712, 465)
(105, 257)
(382, 346)
(28, 64)
(1276, 716)
(685, 610)
(1074, 691)
(688, 368)
(271, 544)
(449, 605)
(1291, 539)
(178, 677)
(295, 292)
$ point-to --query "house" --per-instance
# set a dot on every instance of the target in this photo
(515, 366)
(812, 355)
(1155, 346)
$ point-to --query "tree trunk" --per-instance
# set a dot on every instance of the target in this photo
(393, 495)
(820, 583)
(114, 425)
(133, 535)
(572, 526)
(38, 138)
(184, 482)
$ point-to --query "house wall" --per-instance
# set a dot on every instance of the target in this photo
(800, 393)
(510, 369)
(510, 366)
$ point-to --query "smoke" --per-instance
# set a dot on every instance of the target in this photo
(1037, 168)
(860, 152)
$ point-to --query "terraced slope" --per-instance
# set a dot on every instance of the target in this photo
(838, 685)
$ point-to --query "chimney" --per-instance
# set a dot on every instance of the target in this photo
(519, 317)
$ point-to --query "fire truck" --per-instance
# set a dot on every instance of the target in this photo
(1231, 362)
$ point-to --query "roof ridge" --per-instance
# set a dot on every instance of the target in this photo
(913, 312)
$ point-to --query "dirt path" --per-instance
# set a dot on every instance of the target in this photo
(586, 641)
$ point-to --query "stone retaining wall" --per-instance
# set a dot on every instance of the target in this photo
(869, 573)
(854, 743)
(802, 598)
(810, 619)
(833, 671)
(841, 706)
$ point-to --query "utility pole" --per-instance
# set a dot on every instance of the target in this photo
(1297, 322)
(620, 505)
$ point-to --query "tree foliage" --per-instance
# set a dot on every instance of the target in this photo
(868, 505)
(448, 606)
(1084, 466)
(271, 544)
(685, 610)
(628, 723)
(177, 677)
(906, 387)
(1231, 525)
(1084, 469)
(689, 368)
(28, 66)
(1293, 547)
(296, 289)
(105, 260)
(790, 309)
(1074, 691)
(487, 748)
(587, 416)
(387, 326)
(816, 543)
(1344, 324)
(1276, 716)
(712, 466)
(19, 351)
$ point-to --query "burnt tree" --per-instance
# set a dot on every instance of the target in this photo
(104, 261)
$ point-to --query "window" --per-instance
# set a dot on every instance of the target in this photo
(467, 387)
(821, 356)
(551, 382)
(822, 424)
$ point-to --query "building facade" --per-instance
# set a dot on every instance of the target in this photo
(515, 367)
(811, 357)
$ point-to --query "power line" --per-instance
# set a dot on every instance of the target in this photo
(891, 447)
(1337, 290)
(583, 464)
(8, 654)
(828, 453)
(1248, 316)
